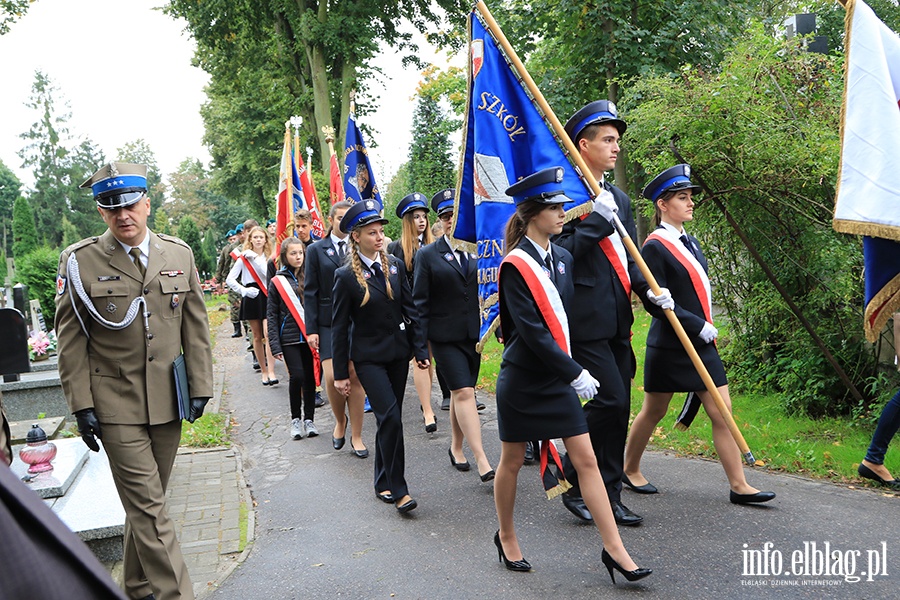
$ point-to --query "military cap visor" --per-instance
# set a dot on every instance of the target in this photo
(442, 202)
(600, 112)
(545, 187)
(360, 214)
(674, 179)
(414, 201)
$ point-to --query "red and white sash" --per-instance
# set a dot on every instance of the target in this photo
(699, 279)
(545, 294)
(614, 249)
(250, 265)
(296, 309)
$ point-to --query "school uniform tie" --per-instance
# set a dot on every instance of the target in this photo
(463, 261)
(341, 245)
(136, 255)
(377, 274)
(687, 244)
(549, 263)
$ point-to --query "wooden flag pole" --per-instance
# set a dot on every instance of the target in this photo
(575, 155)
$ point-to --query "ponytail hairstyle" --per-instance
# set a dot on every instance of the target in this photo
(356, 266)
(334, 207)
(656, 219)
(518, 222)
(282, 260)
(409, 238)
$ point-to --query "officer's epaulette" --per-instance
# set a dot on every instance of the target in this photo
(171, 238)
(79, 245)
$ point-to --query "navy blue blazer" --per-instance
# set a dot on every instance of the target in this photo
(671, 274)
(445, 296)
(527, 341)
(382, 331)
(601, 309)
(321, 262)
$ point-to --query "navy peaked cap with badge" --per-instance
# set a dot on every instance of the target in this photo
(674, 179)
(443, 201)
(362, 213)
(545, 187)
(117, 184)
(412, 202)
(599, 112)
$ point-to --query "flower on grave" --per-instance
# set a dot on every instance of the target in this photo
(40, 344)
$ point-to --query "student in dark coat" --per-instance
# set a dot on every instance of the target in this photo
(445, 289)
(375, 324)
(323, 258)
(676, 261)
(539, 383)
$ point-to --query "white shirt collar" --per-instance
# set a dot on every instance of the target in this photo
(367, 261)
(541, 252)
(336, 240)
(143, 246)
(672, 229)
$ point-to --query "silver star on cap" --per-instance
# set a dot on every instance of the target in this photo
(370, 205)
(687, 170)
(612, 108)
(559, 174)
(448, 194)
(418, 196)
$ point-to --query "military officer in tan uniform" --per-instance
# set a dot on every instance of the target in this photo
(128, 303)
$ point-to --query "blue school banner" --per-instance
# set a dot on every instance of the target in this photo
(359, 180)
(505, 139)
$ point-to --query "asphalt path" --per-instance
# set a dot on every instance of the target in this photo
(321, 533)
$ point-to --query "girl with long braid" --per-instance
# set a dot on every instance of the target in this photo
(375, 325)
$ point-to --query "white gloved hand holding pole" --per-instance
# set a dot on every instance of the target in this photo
(605, 205)
(664, 300)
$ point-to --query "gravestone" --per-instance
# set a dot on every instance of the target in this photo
(14, 349)
(37, 316)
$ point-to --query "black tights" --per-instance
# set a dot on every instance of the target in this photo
(299, 362)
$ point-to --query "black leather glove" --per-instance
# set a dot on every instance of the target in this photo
(197, 407)
(88, 427)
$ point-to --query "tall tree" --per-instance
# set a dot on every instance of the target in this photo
(190, 234)
(139, 152)
(25, 236)
(430, 166)
(188, 197)
(10, 188)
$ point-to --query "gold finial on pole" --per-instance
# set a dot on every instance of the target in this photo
(328, 130)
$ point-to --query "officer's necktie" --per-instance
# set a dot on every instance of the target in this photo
(687, 244)
(549, 263)
(376, 273)
(341, 245)
(136, 254)
(463, 261)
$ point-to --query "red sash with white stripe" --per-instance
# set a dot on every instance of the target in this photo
(250, 266)
(678, 250)
(615, 259)
(549, 304)
(296, 309)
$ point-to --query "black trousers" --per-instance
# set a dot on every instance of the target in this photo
(609, 362)
(385, 385)
(302, 385)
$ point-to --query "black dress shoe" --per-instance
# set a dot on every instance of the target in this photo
(256, 366)
(407, 506)
(647, 488)
(489, 476)
(751, 498)
(576, 506)
(431, 427)
(364, 453)
(479, 405)
(529, 453)
(338, 443)
(149, 597)
(868, 473)
(445, 404)
(624, 516)
(273, 381)
(385, 497)
(460, 466)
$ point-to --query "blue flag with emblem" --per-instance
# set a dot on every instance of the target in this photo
(868, 194)
(506, 137)
(359, 180)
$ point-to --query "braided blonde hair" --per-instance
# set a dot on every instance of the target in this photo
(356, 267)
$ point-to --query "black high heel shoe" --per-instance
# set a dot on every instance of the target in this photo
(460, 466)
(611, 564)
(431, 427)
(513, 565)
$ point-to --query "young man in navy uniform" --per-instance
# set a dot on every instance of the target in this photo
(128, 304)
(601, 314)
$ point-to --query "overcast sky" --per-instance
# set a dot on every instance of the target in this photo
(125, 71)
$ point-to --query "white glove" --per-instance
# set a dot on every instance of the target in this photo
(708, 333)
(664, 300)
(585, 385)
(605, 205)
(250, 292)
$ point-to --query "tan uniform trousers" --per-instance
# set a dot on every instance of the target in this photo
(141, 458)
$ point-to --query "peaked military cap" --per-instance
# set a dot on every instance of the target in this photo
(443, 201)
(545, 187)
(362, 213)
(118, 184)
(410, 202)
(599, 112)
(674, 179)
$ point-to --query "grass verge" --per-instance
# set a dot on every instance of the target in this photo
(828, 448)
